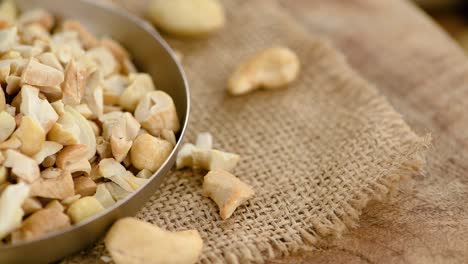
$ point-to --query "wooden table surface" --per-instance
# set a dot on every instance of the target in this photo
(425, 76)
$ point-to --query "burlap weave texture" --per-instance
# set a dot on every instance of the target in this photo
(315, 153)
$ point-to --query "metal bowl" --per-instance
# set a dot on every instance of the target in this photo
(151, 54)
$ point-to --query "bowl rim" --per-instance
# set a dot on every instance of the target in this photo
(148, 28)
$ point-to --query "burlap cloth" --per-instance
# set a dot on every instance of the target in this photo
(315, 153)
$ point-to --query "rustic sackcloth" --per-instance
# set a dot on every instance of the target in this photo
(315, 153)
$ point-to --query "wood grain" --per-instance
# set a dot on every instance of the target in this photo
(425, 76)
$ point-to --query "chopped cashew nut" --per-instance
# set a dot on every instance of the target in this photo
(204, 141)
(39, 109)
(93, 94)
(88, 40)
(270, 69)
(84, 208)
(49, 59)
(31, 205)
(69, 200)
(22, 166)
(144, 173)
(38, 74)
(104, 60)
(48, 148)
(31, 135)
(59, 187)
(169, 135)
(117, 192)
(66, 46)
(7, 38)
(103, 148)
(113, 87)
(37, 16)
(227, 191)
(13, 84)
(85, 186)
(86, 135)
(184, 157)
(12, 143)
(74, 83)
(55, 205)
(73, 159)
(51, 173)
(66, 131)
(116, 49)
(49, 161)
(8, 12)
(7, 125)
(104, 196)
(187, 18)
(27, 51)
(40, 223)
(212, 159)
(114, 171)
(140, 85)
(149, 152)
(133, 241)
(11, 212)
(156, 111)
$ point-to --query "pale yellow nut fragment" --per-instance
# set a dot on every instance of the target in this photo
(37, 108)
(69, 200)
(37, 16)
(156, 111)
(270, 69)
(116, 172)
(120, 54)
(49, 59)
(31, 205)
(93, 94)
(140, 85)
(204, 141)
(21, 166)
(27, 51)
(226, 190)
(84, 110)
(104, 196)
(7, 125)
(74, 83)
(66, 46)
(146, 174)
(8, 38)
(104, 60)
(66, 131)
(48, 148)
(73, 159)
(38, 74)
(184, 157)
(8, 12)
(59, 187)
(212, 159)
(117, 192)
(11, 212)
(169, 135)
(149, 152)
(85, 186)
(88, 39)
(31, 135)
(51, 173)
(86, 135)
(34, 34)
(187, 18)
(132, 241)
(84, 208)
(113, 87)
(55, 205)
(12, 143)
(41, 223)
